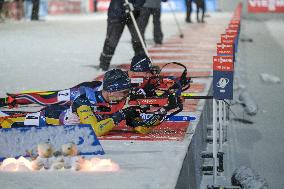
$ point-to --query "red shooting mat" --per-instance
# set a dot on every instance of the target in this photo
(180, 50)
(207, 41)
(167, 131)
(190, 74)
(196, 55)
(188, 107)
(177, 58)
(189, 65)
(192, 46)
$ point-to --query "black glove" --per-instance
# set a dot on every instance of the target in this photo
(8, 101)
(125, 114)
(130, 114)
(80, 101)
(150, 90)
(137, 93)
(173, 102)
(128, 7)
(156, 119)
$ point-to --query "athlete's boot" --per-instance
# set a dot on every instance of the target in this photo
(3, 102)
(105, 61)
(8, 101)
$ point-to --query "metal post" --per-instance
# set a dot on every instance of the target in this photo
(220, 104)
(137, 30)
(176, 21)
(225, 121)
(214, 142)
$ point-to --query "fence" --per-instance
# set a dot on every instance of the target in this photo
(214, 118)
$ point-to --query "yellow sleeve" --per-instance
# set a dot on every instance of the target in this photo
(143, 129)
(87, 116)
(7, 123)
(52, 121)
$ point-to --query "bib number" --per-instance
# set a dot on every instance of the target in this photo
(63, 95)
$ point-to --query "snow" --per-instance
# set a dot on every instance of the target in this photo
(268, 78)
(23, 140)
(247, 178)
(61, 53)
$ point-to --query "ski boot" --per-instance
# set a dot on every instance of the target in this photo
(188, 20)
(197, 19)
(105, 61)
(8, 101)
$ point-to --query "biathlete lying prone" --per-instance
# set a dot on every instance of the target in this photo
(103, 104)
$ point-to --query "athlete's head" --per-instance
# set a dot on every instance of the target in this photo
(116, 85)
(141, 65)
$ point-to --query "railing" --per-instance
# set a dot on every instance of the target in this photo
(214, 119)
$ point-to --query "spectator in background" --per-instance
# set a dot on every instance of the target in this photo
(151, 7)
(35, 10)
(188, 4)
(20, 9)
(200, 4)
(95, 5)
(1, 11)
(117, 19)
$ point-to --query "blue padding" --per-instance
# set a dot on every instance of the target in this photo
(15, 142)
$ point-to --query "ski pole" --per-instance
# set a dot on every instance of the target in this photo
(129, 10)
(176, 21)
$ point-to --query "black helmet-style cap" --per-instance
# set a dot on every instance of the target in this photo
(141, 63)
(116, 80)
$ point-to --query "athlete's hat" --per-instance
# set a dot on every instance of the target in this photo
(140, 63)
(116, 80)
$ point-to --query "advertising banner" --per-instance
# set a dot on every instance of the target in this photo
(266, 6)
(225, 49)
(230, 39)
(223, 74)
(223, 63)
(102, 5)
(223, 85)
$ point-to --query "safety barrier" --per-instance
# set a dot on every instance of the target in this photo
(215, 116)
(223, 78)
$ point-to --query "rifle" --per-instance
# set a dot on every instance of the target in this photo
(170, 94)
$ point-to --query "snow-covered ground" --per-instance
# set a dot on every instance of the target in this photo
(62, 52)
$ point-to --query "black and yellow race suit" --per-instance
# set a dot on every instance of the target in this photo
(85, 106)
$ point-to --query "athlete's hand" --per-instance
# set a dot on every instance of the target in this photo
(137, 93)
(131, 116)
(130, 113)
(128, 7)
(173, 102)
(125, 114)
